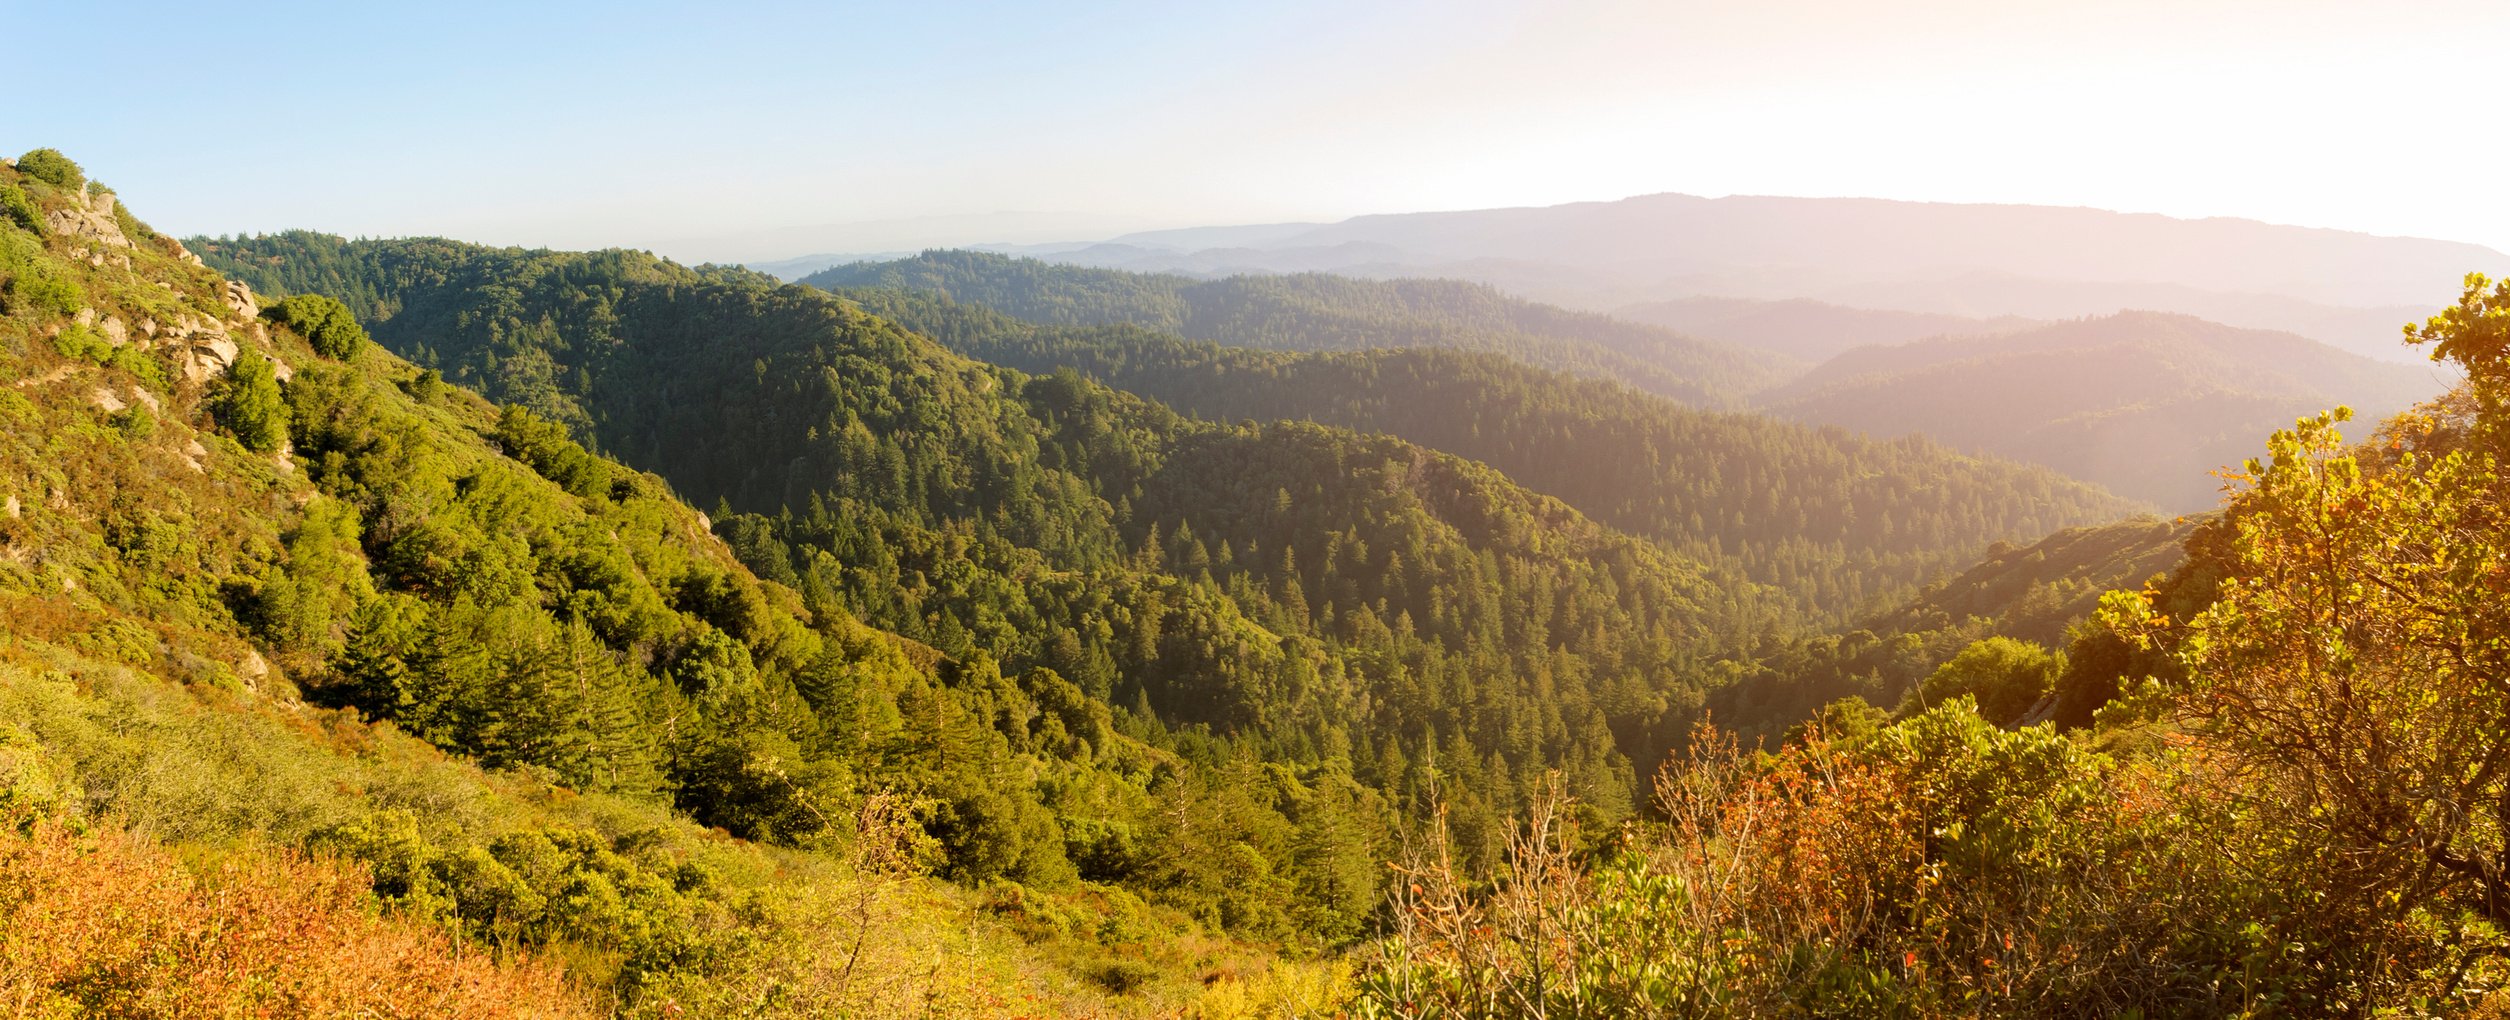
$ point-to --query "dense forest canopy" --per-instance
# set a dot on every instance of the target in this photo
(1843, 524)
(1307, 595)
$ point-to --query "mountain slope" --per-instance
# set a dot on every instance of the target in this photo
(1832, 519)
(2146, 404)
(267, 589)
(1340, 603)
(1314, 311)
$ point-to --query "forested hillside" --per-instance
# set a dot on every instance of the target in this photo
(2015, 616)
(291, 629)
(1321, 312)
(1352, 605)
(2143, 403)
(1838, 522)
(2268, 784)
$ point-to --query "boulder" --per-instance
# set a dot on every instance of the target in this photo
(205, 355)
(239, 300)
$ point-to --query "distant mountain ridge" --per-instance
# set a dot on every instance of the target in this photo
(2345, 288)
(1316, 311)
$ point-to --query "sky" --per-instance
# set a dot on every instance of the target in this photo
(751, 131)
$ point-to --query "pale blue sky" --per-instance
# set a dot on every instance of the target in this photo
(743, 131)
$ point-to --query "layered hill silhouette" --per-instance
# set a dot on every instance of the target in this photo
(1970, 260)
(1813, 331)
(2146, 404)
(1316, 311)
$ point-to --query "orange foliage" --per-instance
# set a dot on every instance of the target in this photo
(105, 924)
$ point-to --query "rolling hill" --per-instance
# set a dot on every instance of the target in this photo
(1315, 312)
(1834, 520)
(1814, 331)
(1306, 594)
(2145, 404)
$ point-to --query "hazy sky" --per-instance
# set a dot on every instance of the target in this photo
(712, 131)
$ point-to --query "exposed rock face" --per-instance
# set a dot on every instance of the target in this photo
(106, 399)
(206, 357)
(240, 301)
(201, 348)
(182, 252)
(92, 218)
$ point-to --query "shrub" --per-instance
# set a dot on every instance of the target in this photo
(53, 168)
(17, 208)
(252, 408)
(76, 341)
(2007, 677)
(41, 289)
(324, 322)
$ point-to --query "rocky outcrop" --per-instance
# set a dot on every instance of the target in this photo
(239, 300)
(89, 216)
(201, 347)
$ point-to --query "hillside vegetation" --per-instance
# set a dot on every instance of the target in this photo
(361, 652)
(1355, 609)
(267, 590)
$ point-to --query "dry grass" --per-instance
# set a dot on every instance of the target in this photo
(102, 924)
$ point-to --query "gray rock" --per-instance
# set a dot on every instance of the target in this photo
(239, 300)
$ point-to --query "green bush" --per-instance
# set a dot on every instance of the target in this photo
(2005, 676)
(18, 208)
(51, 167)
(251, 408)
(41, 289)
(325, 322)
(76, 341)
